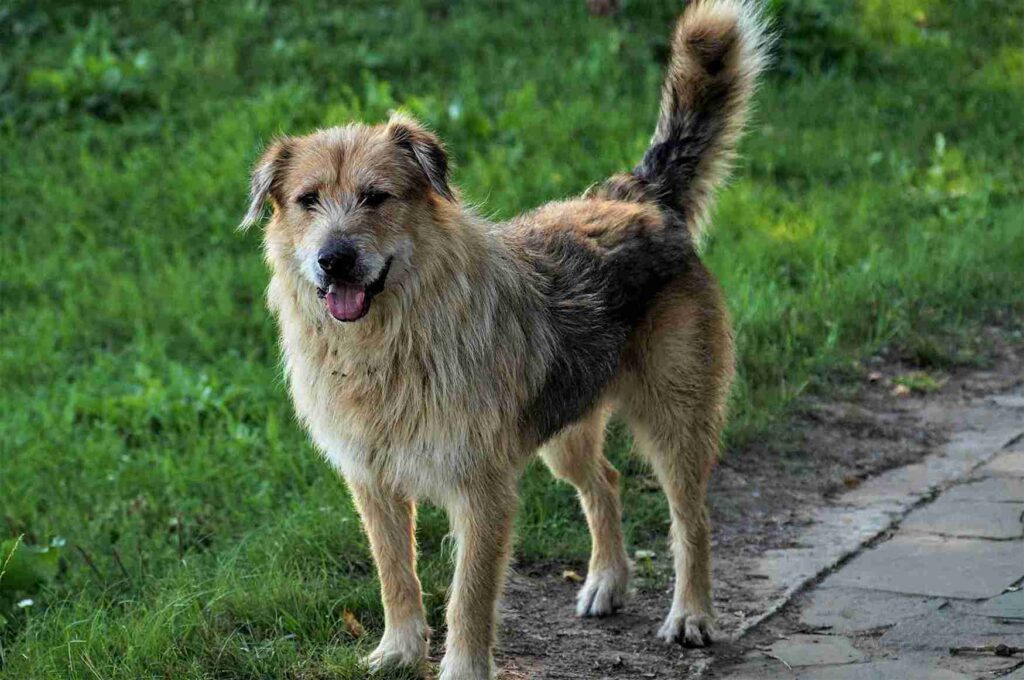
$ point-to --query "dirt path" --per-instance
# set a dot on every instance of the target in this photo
(763, 500)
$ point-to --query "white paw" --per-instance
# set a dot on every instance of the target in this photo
(603, 592)
(399, 649)
(694, 630)
(466, 668)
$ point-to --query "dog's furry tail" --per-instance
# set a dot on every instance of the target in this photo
(718, 50)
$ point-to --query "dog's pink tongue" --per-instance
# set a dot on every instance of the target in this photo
(345, 303)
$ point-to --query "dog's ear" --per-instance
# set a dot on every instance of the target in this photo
(267, 179)
(424, 149)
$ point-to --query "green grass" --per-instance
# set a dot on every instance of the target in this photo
(879, 200)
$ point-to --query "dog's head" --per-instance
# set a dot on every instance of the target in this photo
(349, 206)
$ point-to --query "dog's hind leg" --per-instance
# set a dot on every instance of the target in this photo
(390, 524)
(481, 520)
(576, 456)
(673, 396)
(682, 463)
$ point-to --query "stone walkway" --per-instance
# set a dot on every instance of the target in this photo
(945, 572)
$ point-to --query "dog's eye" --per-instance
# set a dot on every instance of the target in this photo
(309, 200)
(373, 197)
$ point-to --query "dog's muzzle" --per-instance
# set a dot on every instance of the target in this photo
(347, 300)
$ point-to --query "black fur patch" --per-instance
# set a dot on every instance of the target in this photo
(594, 301)
(669, 168)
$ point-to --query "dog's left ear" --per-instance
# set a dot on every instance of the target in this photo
(425, 149)
(267, 179)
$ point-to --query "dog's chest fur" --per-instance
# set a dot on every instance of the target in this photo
(417, 397)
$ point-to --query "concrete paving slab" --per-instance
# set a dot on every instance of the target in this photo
(952, 627)
(912, 667)
(960, 518)
(1005, 606)
(904, 486)
(957, 458)
(836, 532)
(922, 564)
(1010, 464)
(980, 444)
(901, 669)
(1008, 400)
(979, 665)
(1016, 675)
(853, 610)
(815, 650)
(984, 426)
(759, 667)
(990, 489)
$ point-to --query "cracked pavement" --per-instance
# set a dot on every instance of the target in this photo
(917, 561)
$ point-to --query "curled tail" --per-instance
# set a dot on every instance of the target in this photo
(718, 50)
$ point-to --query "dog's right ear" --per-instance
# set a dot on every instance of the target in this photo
(424, 149)
(267, 179)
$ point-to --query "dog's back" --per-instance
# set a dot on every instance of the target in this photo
(598, 266)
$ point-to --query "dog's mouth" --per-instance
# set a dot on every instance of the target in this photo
(349, 301)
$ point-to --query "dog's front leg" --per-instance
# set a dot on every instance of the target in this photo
(390, 523)
(481, 520)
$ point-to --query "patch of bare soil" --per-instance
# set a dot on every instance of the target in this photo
(761, 497)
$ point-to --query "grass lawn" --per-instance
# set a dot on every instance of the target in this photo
(143, 419)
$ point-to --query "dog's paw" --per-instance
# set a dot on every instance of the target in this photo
(404, 649)
(456, 667)
(603, 592)
(692, 630)
(387, 656)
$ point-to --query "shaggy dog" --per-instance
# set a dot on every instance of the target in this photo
(431, 353)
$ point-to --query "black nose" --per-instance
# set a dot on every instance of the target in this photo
(338, 259)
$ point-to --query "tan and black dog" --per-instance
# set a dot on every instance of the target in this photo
(430, 353)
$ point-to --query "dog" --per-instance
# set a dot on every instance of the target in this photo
(430, 353)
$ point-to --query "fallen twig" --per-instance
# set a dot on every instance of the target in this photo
(92, 565)
(181, 541)
(998, 650)
(142, 559)
(779, 659)
(117, 558)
